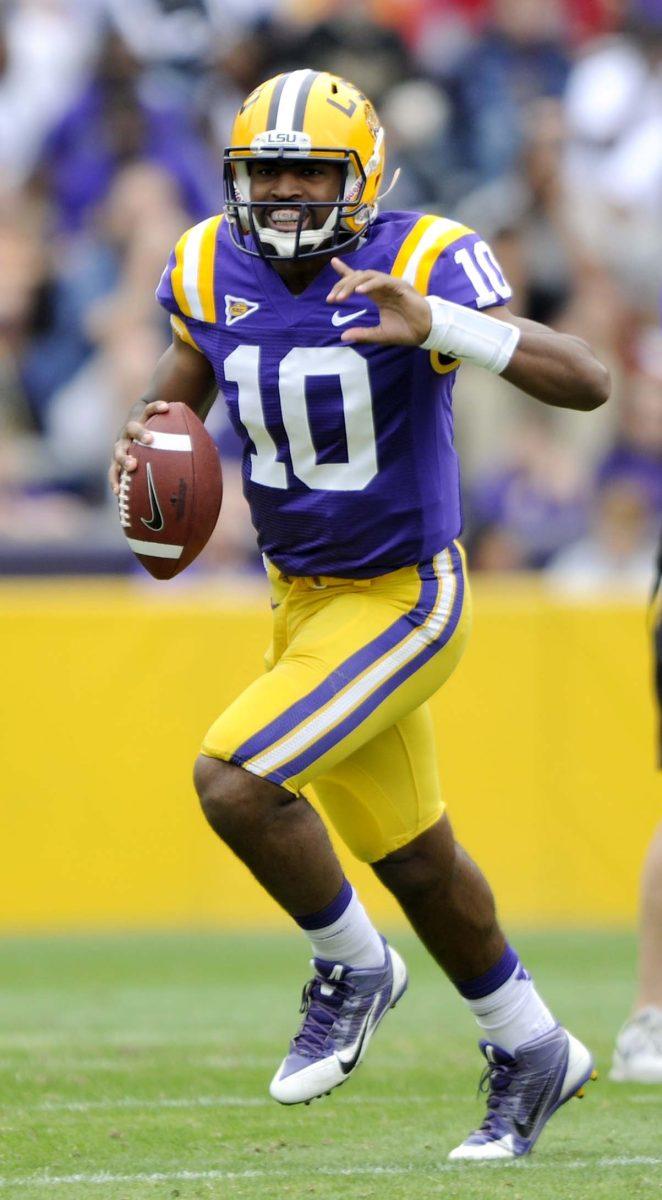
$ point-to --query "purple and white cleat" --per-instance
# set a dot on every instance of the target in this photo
(342, 1008)
(523, 1091)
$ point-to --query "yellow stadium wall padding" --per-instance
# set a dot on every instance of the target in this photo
(545, 734)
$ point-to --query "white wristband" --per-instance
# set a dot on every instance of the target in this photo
(462, 332)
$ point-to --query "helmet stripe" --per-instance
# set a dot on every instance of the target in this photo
(275, 101)
(296, 82)
(302, 100)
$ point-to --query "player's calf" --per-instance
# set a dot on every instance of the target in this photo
(358, 977)
(447, 900)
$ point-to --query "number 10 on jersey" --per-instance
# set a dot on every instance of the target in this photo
(243, 368)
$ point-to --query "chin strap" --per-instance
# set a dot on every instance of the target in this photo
(394, 180)
(284, 243)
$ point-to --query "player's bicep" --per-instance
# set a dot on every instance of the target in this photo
(183, 374)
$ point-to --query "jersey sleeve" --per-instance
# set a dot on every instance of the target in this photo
(467, 272)
(442, 257)
(187, 286)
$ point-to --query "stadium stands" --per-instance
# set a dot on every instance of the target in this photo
(501, 113)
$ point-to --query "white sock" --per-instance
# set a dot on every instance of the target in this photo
(350, 938)
(514, 1013)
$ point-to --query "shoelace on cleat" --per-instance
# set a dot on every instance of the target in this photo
(504, 1106)
(494, 1082)
(321, 1013)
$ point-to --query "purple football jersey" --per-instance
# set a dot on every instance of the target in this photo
(348, 460)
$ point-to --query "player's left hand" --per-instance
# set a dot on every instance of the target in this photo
(404, 315)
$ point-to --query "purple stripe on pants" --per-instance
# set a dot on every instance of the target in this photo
(345, 672)
(386, 689)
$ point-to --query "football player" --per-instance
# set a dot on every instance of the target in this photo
(334, 335)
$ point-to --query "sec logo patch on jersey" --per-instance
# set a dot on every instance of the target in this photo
(236, 308)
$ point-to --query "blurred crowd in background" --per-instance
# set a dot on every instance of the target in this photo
(539, 124)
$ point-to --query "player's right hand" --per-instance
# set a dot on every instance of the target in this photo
(134, 431)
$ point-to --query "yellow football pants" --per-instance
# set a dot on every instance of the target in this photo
(341, 710)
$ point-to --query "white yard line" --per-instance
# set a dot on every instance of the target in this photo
(229, 1101)
(104, 1177)
(130, 1062)
(637, 1160)
(137, 1102)
(72, 1039)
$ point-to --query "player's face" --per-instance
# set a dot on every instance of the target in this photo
(286, 183)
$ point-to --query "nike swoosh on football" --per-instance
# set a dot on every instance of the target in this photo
(156, 521)
(338, 319)
(346, 1067)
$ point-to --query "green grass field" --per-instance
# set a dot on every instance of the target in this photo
(138, 1067)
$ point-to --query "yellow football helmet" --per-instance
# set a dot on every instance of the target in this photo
(300, 115)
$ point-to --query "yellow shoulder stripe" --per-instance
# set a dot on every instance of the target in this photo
(409, 245)
(183, 333)
(422, 247)
(193, 274)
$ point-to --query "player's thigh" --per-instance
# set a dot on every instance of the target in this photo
(320, 640)
(351, 663)
(387, 792)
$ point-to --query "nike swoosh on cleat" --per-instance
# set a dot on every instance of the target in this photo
(525, 1128)
(347, 1066)
(338, 319)
(156, 521)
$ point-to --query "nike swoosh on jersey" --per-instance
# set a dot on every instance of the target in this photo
(155, 522)
(347, 1065)
(338, 319)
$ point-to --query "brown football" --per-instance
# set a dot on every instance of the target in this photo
(170, 504)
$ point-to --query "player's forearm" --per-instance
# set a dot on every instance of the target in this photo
(557, 369)
(183, 375)
(553, 367)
